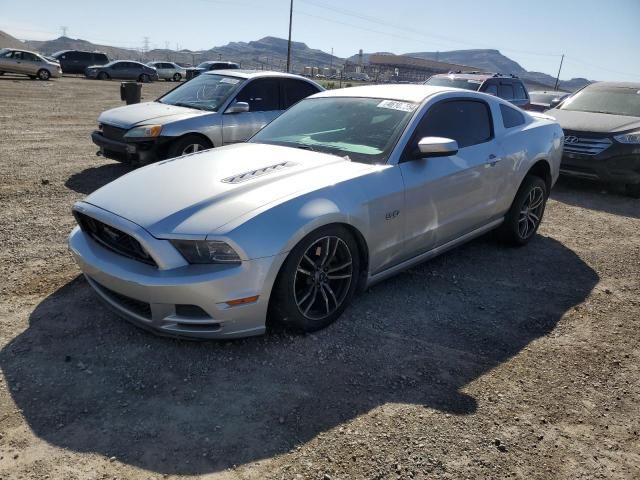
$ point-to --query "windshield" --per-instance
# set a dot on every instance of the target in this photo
(363, 129)
(467, 84)
(204, 65)
(204, 92)
(611, 100)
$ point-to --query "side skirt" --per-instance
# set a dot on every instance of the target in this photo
(389, 272)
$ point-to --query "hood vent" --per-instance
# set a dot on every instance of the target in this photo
(246, 176)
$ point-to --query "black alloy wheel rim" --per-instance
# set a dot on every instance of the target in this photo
(531, 212)
(323, 278)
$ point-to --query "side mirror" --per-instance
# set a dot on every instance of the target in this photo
(238, 107)
(554, 103)
(437, 147)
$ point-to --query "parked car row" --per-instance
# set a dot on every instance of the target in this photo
(340, 191)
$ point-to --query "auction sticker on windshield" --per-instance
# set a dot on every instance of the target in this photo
(232, 81)
(395, 105)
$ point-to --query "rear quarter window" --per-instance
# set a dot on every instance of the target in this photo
(511, 117)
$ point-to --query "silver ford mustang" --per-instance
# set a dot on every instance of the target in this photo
(343, 190)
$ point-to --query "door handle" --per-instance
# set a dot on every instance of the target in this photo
(492, 160)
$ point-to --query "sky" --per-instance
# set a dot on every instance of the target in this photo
(600, 38)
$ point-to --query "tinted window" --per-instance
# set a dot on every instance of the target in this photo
(511, 117)
(506, 91)
(30, 57)
(100, 58)
(491, 89)
(465, 121)
(520, 92)
(296, 90)
(262, 95)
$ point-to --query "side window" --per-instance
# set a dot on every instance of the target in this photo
(9, 54)
(511, 117)
(18, 55)
(506, 91)
(262, 95)
(98, 57)
(520, 92)
(30, 57)
(468, 122)
(120, 66)
(295, 90)
(73, 56)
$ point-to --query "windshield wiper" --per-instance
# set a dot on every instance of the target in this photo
(306, 147)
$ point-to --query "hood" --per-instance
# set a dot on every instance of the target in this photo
(194, 195)
(148, 112)
(593, 122)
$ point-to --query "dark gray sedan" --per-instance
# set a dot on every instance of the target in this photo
(122, 70)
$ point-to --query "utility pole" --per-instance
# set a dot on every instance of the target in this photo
(289, 44)
(331, 62)
(146, 46)
(64, 31)
(558, 77)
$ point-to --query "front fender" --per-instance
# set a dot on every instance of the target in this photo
(208, 125)
(280, 228)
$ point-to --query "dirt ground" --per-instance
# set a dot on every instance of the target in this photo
(485, 363)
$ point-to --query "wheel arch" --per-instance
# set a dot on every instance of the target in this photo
(542, 169)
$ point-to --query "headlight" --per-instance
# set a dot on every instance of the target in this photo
(633, 137)
(144, 131)
(206, 251)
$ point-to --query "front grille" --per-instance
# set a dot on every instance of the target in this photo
(131, 304)
(113, 133)
(584, 144)
(113, 239)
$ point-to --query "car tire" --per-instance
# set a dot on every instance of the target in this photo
(177, 77)
(144, 78)
(525, 215)
(187, 145)
(632, 190)
(103, 76)
(317, 280)
(44, 74)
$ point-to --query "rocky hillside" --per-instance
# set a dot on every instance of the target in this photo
(7, 41)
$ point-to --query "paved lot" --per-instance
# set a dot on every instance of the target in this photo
(484, 363)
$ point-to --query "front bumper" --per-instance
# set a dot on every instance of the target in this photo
(618, 163)
(176, 299)
(143, 151)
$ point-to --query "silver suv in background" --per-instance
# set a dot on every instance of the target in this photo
(169, 71)
(213, 109)
(28, 63)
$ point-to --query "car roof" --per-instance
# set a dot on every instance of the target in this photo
(22, 50)
(235, 72)
(406, 93)
(476, 76)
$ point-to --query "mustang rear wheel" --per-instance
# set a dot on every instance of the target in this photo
(524, 217)
(317, 280)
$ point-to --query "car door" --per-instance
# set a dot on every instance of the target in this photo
(162, 69)
(263, 97)
(32, 63)
(8, 62)
(19, 63)
(447, 197)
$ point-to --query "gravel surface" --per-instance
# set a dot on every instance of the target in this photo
(484, 363)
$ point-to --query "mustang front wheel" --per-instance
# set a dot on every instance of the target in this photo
(524, 217)
(317, 280)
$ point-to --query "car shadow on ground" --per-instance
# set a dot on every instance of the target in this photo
(596, 196)
(90, 179)
(87, 381)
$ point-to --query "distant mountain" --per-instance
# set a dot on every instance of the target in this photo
(7, 41)
(272, 53)
(488, 60)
